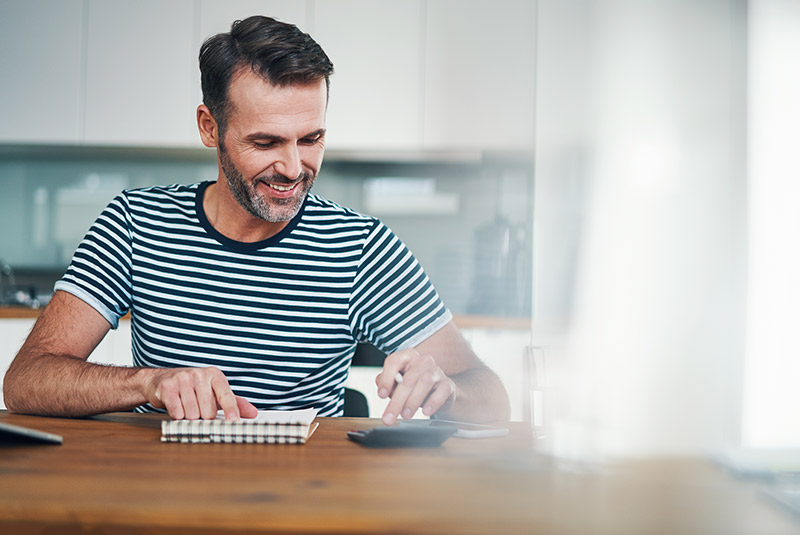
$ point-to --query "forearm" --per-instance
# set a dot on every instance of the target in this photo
(479, 397)
(60, 385)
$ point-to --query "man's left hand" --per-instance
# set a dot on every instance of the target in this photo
(424, 385)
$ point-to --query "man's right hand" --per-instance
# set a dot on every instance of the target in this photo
(193, 393)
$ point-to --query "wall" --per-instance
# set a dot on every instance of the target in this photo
(471, 239)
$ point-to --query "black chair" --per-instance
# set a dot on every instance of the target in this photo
(355, 404)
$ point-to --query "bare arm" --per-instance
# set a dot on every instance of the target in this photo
(51, 376)
(442, 375)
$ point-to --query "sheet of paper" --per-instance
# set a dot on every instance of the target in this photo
(300, 416)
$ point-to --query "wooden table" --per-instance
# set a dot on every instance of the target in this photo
(113, 475)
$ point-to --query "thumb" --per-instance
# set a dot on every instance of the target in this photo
(246, 409)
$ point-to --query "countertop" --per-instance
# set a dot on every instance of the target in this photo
(462, 321)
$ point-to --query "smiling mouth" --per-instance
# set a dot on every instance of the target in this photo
(280, 187)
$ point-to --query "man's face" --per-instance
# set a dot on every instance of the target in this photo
(273, 146)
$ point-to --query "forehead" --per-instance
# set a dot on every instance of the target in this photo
(256, 103)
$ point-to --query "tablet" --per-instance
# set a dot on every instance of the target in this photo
(16, 434)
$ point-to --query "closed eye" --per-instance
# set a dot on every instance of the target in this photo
(311, 140)
(269, 145)
(264, 141)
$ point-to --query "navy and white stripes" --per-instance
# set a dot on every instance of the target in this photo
(279, 317)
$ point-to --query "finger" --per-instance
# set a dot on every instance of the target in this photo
(398, 400)
(168, 396)
(206, 401)
(172, 402)
(394, 364)
(426, 384)
(189, 398)
(225, 398)
(444, 394)
(246, 409)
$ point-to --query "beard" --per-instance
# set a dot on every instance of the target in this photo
(268, 209)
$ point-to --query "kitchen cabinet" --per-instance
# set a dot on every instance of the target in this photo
(41, 45)
(419, 75)
(480, 75)
(141, 73)
(438, 75)
(376, 94)
(143, 81)
(216, 17)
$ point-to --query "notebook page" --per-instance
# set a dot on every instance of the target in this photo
(300, 416)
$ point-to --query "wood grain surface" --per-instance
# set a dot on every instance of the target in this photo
(113, 475)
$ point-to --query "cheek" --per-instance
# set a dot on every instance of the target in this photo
(254, 165)
(312, 157)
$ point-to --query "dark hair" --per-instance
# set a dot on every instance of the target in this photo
(278, 52)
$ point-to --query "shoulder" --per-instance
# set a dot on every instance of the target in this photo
(321, 211)
(175, 193)
(176, 200)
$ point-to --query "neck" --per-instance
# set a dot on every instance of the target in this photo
(231, 220)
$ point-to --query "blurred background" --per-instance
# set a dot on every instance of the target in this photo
(602, 191)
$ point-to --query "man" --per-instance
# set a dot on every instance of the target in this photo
(249, 292)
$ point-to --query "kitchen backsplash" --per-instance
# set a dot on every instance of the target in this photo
(468, 221)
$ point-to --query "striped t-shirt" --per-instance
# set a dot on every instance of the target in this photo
(280, 317)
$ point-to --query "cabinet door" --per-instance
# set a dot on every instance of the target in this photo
(13, 333)
(141, 73)
(376, 91)
(42, 71)
(217, 17)
(480, 74)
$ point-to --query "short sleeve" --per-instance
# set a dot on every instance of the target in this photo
(393, 305)
(100, 270)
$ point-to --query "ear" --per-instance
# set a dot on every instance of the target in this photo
(209, 131)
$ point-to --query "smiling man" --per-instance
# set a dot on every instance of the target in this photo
(249, 292)
(270, 155)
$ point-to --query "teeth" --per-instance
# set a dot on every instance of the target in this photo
(280, 188)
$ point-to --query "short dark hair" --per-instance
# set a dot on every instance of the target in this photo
(278, 52)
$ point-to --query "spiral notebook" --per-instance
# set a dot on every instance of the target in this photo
(268, 427)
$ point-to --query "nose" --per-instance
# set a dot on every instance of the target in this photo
(289, 164)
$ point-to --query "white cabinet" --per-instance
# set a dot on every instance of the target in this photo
(12, 333)
(141, 73)
(143, 79)
(376, 92)
(441, 75)
(41, 46)
(413, 75)
(216, 17)
(480, 74)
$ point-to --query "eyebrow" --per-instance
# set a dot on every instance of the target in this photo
(281, 139)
